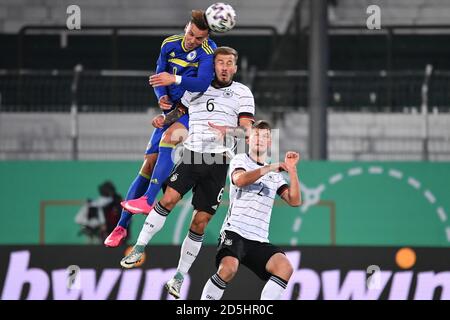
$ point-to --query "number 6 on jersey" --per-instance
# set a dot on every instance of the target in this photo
(210, 105)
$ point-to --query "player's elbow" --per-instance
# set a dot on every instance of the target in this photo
(239, 183)
(295, 202)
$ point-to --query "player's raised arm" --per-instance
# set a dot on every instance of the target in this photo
(292, 194)
(204, 76)
(198, 83)
(161, 66)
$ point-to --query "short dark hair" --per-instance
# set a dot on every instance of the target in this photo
(262, 124)
(107, 189)
(198, 18)
(226, 51)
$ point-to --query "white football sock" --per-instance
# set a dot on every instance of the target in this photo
(189, 251)
(274, 288)
(153, 223)
(214, 288)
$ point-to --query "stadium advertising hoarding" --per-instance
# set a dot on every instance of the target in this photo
(320, 272)
(344, 203)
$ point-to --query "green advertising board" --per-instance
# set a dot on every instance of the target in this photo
(344, 203)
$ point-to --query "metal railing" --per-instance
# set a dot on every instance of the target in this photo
(91, 90)
(128, 90)
(389, 32)
(116, 30)
(104, 114)
(355, 91)
(424, 109)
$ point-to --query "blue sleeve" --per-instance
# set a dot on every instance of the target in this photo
(205, 75)
(161, 66)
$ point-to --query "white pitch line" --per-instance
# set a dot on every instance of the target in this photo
(442, 214)
(429, 196)
(297, 224)
(293, 241)
(375, 170)
(335, 178)
(413, 182)
(396, 174)
(447, 230)
(354, 171)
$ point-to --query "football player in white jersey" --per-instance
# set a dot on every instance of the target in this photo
(245, 231)
(204, 164)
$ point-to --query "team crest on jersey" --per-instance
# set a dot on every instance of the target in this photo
(174, 177)
(172, 54)
(228, 242)
(191, 56)
(228, 93)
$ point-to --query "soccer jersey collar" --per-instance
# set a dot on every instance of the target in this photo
(217, 86)
(258, 163)
(184, 49)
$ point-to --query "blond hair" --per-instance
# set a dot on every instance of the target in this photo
(226, 51)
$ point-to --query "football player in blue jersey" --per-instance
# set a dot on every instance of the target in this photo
(186, 62)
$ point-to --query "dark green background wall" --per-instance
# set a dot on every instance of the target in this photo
(376, 203)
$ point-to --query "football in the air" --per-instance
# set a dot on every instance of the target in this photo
(220, 17)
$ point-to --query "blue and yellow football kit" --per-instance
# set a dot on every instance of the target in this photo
(196, 67)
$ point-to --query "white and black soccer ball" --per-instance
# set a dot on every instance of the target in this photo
(220, 17)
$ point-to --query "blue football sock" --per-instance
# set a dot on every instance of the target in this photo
(161, 171)
(137, 189)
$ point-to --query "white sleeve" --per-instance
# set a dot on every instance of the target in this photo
(186, 98)
(236, 163)
(282, 185)
(247, 105)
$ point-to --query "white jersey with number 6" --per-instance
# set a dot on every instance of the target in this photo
(221, 106)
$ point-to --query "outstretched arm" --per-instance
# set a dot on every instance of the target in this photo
(205, 75)
(200, 83)
(242, 178)
(292, 195)
(240, 131)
